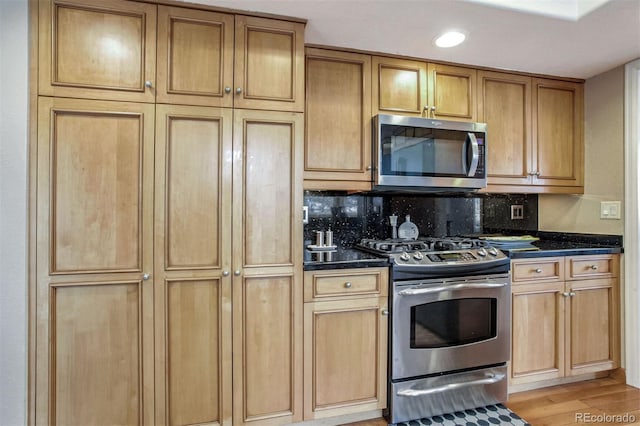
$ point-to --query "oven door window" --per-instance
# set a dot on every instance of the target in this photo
(453, 322)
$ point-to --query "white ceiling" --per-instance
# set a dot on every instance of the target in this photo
(566, 38)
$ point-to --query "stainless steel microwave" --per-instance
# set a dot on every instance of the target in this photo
(420, 154)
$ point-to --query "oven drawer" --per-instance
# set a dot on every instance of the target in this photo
(431, 396)
(322, 285)
(539, 269)
(602, 266)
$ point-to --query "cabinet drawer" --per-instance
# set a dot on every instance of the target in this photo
(321, 285)
(580, 267)
(541, 269)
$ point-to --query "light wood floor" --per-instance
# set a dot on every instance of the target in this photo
(559, 405)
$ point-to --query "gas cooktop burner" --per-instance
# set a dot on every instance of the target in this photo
(435, 252)
(431, 244)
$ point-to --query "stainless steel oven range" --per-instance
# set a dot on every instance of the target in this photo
(449, 325)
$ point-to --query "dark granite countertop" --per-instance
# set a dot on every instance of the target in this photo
(550, 244)
(566, 244)
(342, 258)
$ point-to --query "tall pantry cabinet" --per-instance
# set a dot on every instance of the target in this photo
(168, 270)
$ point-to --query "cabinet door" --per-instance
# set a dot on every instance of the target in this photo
(192, 240)
(338, 120)
(593, 338)
(267, 273)
(345, 352)
(399, 86)
(557, 133)
(538, 332)
(452, 92)
(504, 103)
(269, 64)
(195, 57)
(97, 49)
(94, 363)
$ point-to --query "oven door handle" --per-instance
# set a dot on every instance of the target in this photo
(465, 286)
(491, 379)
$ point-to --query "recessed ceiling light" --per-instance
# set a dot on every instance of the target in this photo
(449, 39)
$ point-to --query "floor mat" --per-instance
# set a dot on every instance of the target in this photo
(485, 416)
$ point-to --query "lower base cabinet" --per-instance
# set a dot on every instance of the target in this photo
(345, 341)
(565, 317)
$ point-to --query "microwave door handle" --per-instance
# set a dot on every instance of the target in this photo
(475, 154)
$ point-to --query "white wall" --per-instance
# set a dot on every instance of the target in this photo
(13, 210)
(604, 163)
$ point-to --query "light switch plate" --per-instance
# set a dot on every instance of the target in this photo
(610, 209)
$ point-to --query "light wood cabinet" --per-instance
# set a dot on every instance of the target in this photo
(593, 317)
(345, 341)
(94, 328)
(565, 323)
(338, 120)
(97, 49)
(504, 103)
(152, 283)
(195, 57)
(399, 86)
(192, 241)
(409, 87)
(267, 267)
(107, 50)
(269, 64)
(157, 241)
(452, 92)
(557, 132)
(535, 133)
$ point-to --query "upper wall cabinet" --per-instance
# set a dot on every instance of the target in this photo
(107, 50)
(338, 120)
(199, 63)
(195, 57)
(399, 86)
(557, 132)
(97, 49)
(269, 64)
(452, 92)
(534, 133)
(504, 103)
(416, 88)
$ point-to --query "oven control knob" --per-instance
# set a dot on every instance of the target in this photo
(493, 252)
(482, 252)
(405, 256)
(418, 256)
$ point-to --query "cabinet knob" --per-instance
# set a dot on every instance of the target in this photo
(148, 84)
(225, 273)
(369, 168)
(571, 294)
(146, 276)
(227, 89)
(594, 267)
(385, 312)
(236, 272)
(238, 90)
(347, 284)
(537, 174)
(537, 271)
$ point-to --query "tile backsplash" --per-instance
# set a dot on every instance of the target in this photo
(352, 217)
